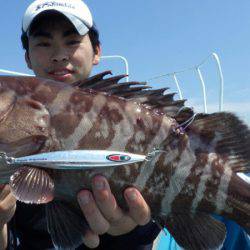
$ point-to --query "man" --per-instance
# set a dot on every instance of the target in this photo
(62, 43)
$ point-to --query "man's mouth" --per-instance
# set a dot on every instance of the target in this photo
(61, 74)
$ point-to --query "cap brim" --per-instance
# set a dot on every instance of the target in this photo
(79, 25)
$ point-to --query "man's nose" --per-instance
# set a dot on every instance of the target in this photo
(59, 55)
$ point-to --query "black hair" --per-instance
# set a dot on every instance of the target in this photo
(93, 35)
(94, 38)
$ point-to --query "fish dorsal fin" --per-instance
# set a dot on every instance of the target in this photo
(65, 225)
(225, 134)
(87, 83)
(197, 231)
(137, 91)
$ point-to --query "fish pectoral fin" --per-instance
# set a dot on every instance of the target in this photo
(196, 231)
(66, 225)
(32, 185)
(25, 146)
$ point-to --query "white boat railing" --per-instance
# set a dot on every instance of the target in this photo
(171, 74)
(202, 82)
(122, 58)
(9, 72)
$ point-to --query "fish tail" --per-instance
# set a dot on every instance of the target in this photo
(225, 139)
(237, 205)
(226, 135)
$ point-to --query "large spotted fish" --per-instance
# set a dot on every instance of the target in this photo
(194, 175)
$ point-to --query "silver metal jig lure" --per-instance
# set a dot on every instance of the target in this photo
(76, 159)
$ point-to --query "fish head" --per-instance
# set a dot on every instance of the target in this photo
(24, 125)
(21, 116)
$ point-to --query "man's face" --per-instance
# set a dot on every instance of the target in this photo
(58, 52)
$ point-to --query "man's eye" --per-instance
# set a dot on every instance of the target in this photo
(73, 42)
(43, 44)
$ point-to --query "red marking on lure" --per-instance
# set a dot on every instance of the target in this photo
(118, 158)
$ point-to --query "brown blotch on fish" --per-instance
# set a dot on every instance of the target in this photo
(115, 115)
(45, 93)
(66, 128)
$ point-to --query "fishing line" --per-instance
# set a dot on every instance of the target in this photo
(153, 154)
(187, 123)
(183, 108)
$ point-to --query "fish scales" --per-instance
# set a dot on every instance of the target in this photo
(193, 176)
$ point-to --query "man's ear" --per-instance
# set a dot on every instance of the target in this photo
(27, 59)
(97, 55)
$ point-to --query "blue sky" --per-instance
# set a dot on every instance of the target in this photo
(158, 37)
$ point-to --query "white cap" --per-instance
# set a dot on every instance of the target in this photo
(76, 11)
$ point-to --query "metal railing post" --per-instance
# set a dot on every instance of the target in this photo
(124, 61)
(221, 100)
(203, 90)
(178, 86)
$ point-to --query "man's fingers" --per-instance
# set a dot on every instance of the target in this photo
(7, 209)
(105, 199)
(4, 191)
(122, 226)
(8, 203)
(95, 219)
(138, 208)
(103, 213)
(90, 239)
(120, 222)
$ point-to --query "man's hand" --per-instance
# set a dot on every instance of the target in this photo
(7, 210)
(7, 205)
(105, 216)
